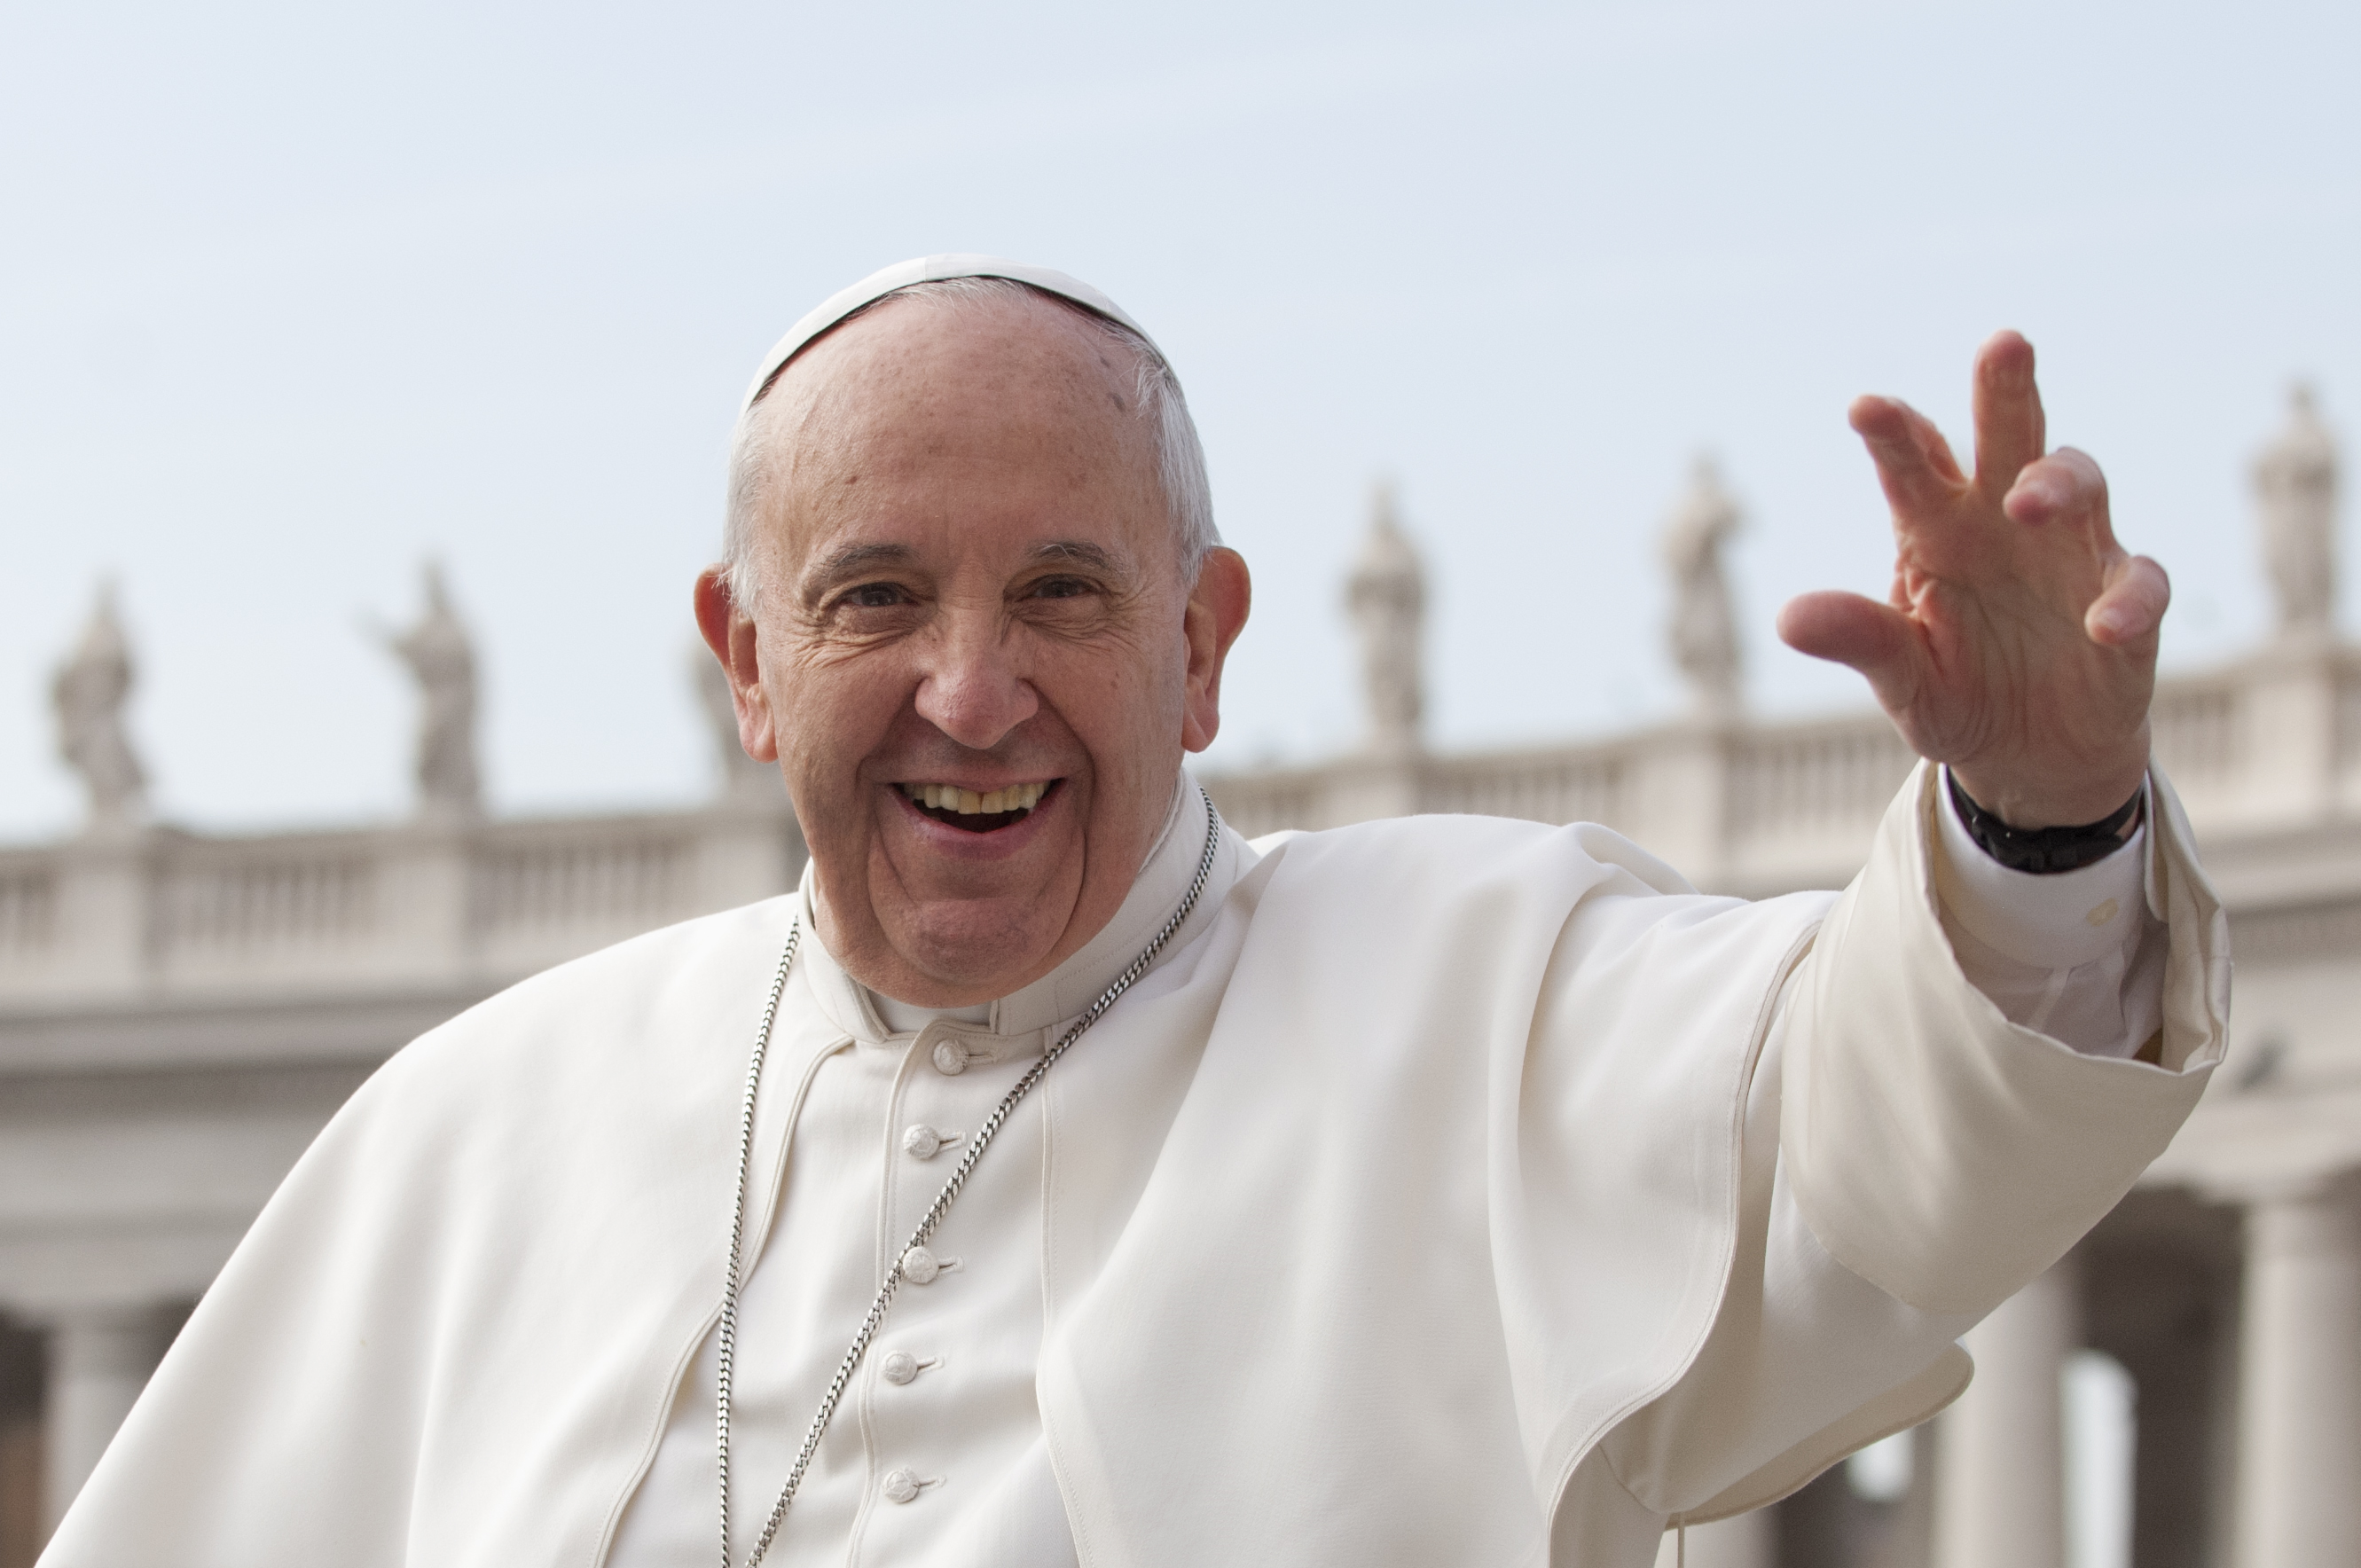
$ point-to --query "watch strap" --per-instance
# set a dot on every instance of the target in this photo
(2044, 851)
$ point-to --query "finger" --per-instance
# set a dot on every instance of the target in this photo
(1913, 462)
(2131, 607)
(1845, 629)
(2066, 486)
(2010, 430)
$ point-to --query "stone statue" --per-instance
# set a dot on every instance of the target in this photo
(1704, 627)
(1386, 598)
(741, 776)
(2295, 488)
(89, 691)
(443, 660)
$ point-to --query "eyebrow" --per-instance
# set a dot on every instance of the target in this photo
(854, 559)
(1075, 552)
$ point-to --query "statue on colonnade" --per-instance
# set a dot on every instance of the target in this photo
(89, 692)
(442, 659)
(1702, 631)
(1387, 599)
(2295, 490)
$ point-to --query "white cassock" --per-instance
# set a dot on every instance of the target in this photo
(1453, 1191)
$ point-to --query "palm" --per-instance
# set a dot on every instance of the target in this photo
(2019, 641)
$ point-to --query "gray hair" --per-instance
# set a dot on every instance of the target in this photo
(1180, 455)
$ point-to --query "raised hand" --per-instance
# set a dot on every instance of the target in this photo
(2019, 644)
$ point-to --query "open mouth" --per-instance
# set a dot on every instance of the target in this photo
(971, 812)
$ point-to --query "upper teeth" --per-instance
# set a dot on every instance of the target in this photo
(968, 803)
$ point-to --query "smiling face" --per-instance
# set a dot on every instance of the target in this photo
(974, 652)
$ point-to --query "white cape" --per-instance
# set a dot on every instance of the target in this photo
(1413, 1171)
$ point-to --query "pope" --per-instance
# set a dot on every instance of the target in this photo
(1057, 1177)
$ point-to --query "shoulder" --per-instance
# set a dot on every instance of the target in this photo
(1433, 853)
(669, 968)
(600, 1093)
(677, 1002)
(1507, 898)
(1478, 901)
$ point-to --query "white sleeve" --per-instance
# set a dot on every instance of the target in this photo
(1914, 1146)
(2078, 956)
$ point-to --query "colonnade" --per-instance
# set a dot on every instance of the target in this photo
(2298, 1477)
(2000, 1455)
(99, 1358)
(2000, 1500)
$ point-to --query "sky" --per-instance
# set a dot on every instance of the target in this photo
(296, 298)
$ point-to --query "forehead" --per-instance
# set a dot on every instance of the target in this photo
(922, 388)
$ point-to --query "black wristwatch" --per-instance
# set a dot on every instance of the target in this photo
(2044, 851)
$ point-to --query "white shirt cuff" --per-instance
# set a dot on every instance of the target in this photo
(2078, 956)
(2059, 921)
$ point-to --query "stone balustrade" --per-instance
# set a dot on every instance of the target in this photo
(2267, 745)
(160, 915)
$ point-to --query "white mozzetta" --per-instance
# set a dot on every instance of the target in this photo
(1433, 1153)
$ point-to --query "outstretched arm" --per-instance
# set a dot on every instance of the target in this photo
(1923, 1134)
(2019, 644)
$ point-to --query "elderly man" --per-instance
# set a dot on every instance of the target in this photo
(1056, 1178)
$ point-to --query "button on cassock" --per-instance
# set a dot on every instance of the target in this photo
(900, 1367)
(920, 1266)
(951, 1058)
(922, 1142)
(902, 1486)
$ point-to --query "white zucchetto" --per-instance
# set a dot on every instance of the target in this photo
(928, 270)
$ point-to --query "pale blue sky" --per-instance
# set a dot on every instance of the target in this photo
(294, 296)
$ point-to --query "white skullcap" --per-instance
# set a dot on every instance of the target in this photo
(929, 270)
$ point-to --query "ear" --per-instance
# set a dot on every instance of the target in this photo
(1216, 614)
(729, 632)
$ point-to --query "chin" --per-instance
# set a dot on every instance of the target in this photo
(975, 953)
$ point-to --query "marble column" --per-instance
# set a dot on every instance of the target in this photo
(100, 1358)
(2000, 1480)
(1743, 1542)
(2298, 1487)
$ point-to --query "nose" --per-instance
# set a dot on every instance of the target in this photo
(972, 690)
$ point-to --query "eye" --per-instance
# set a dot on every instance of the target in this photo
(875, 596)
(1061, 588)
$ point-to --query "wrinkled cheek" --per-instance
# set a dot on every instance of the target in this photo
(822, 748)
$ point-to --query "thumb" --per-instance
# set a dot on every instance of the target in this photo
(1845, 629)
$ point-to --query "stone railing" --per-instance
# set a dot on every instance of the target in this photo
(215, 898)
(28, 907)
(160, 914)
(1256, 804)
(2270, 743)
(2194, 733)
(1557, 785)
(1809, 782)
(556, 877)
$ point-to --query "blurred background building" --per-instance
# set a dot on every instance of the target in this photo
(180, 1012)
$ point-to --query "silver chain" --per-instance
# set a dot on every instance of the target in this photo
(728, 1338)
